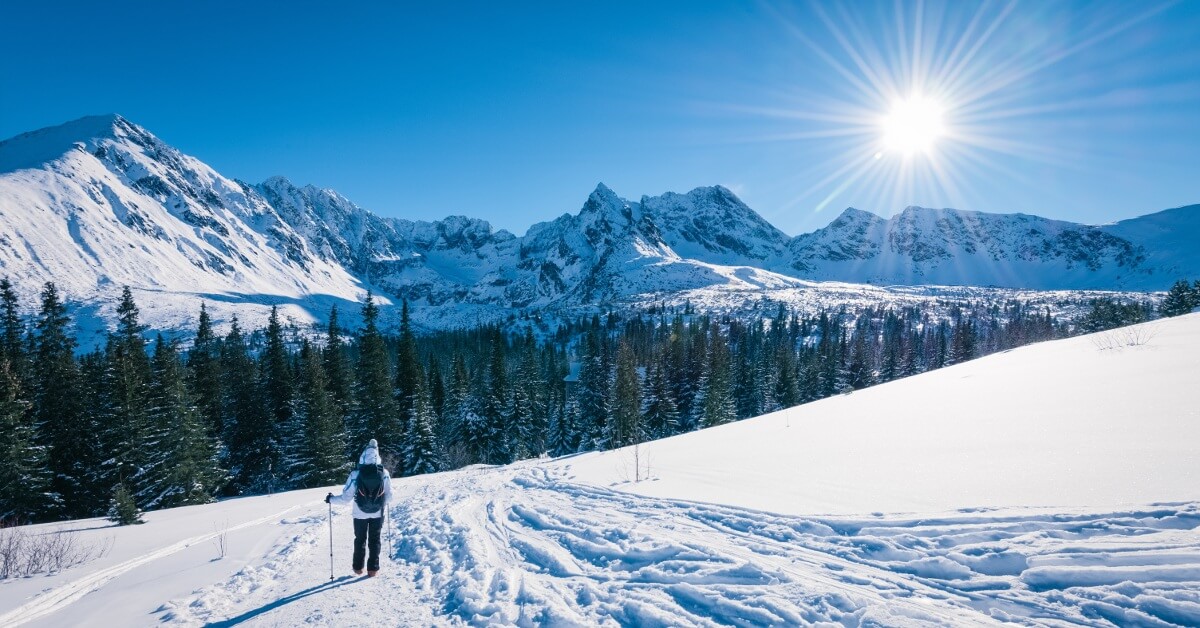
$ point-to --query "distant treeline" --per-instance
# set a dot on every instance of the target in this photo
(249, 413)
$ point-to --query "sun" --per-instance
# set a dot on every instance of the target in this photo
(913, 125)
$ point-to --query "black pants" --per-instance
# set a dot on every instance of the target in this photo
(366, 532)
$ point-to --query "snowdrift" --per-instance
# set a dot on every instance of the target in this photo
(1098, 421)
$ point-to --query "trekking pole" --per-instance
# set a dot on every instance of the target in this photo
(330, 541)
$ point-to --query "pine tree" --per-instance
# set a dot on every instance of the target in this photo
(338, 370)
(375, 411)
(493, 402)
(123, 509)
(57, 408)
(527, 420)
(660, 415)
(592, 395)
(518, 423)
(91, 386)
(750, 383)
(408, 381)
(25, 493)
(858, 370)
(321, 459)
(962, 342)
(680, 368)
(204, 375)
(560, 432)
(717, 392)
(183, 465)
(1180, 299)
(248, 450)
(125, 422)
(787, 381)
(893, 341)
(12, 331)
(555, 370)
(625, 423)
(911, 355)
(277, 384)
(694, 375)
(421, 452)
(464, 439)
(437, 387)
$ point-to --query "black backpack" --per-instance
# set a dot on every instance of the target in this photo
(369, 495)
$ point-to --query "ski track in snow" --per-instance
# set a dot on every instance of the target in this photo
(524, 546)
(62, 596)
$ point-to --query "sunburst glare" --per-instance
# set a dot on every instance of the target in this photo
(924, 100)
(912, 126)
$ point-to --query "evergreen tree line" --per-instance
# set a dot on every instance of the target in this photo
(248, 413)
(1182, 298)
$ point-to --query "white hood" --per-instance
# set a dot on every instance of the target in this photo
(370, 455)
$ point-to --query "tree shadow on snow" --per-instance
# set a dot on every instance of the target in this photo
(270, 606)
(65, 530)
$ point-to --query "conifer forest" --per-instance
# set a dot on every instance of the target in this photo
(169, 422)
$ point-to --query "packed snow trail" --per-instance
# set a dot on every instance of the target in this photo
(61, 596)
(522, 545)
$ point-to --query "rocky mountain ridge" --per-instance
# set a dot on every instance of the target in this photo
(101, 202)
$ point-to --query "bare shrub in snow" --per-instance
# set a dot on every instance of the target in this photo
(635, 465)
(26, 554)
(221, 540)
(1134, 336)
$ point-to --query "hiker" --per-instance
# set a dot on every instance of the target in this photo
(370, 487)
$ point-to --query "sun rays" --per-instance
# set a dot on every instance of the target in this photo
(928, 98)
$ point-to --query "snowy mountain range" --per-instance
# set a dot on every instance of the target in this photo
(100, 202)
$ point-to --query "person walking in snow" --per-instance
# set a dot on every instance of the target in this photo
(370, 488)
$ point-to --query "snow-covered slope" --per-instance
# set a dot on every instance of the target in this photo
(713, 225)
(953, 247)
(433, 262)
(100, 202)
(1168, 239)
(1093, 421)
(1051, 485)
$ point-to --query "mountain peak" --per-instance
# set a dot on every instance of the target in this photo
(603, 192)
(712, 190)
(917, 209)
(278, 181)
(32, 149)
(856, 214)
(604, 200)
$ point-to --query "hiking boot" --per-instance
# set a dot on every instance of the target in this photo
(372, 573)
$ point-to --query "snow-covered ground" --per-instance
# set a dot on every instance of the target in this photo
(1055, 484)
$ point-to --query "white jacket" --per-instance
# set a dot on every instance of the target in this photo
(370, 455)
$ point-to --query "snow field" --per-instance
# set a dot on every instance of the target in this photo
(1086, 422)
(146, 564)
(1052, 485)
(525, 546)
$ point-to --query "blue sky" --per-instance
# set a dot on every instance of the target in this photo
(513, 112)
